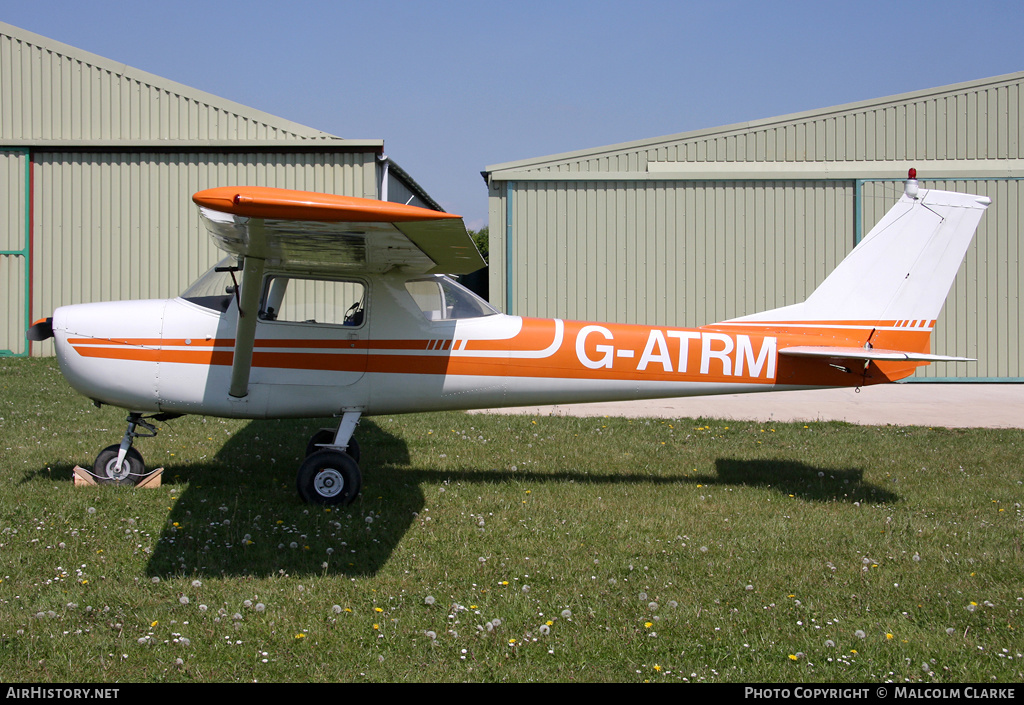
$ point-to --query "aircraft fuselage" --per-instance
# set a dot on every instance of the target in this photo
(175, 356)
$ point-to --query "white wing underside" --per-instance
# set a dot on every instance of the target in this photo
(436, 246)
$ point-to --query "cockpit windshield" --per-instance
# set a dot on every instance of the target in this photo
(215, 289)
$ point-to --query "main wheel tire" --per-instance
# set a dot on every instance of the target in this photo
(329, 477)
(325, 436)
(105, 470)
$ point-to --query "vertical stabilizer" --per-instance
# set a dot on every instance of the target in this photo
(902, 270)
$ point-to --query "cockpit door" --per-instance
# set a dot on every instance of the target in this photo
(311, 332)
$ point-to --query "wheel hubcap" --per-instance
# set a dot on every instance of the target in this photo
(329, 483)
(113, 473)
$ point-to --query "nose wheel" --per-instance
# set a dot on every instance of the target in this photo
(107, 471)
(121, 464)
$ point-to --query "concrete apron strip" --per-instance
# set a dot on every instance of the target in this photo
(947, 405)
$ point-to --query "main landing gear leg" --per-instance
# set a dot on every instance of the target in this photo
(330, 473)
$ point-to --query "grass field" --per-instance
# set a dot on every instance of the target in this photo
(509, 548)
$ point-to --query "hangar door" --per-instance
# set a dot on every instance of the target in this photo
(14, 252)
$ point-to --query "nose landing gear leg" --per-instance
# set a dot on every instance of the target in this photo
(121, 464)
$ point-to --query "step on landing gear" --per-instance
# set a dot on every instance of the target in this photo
(330, 473)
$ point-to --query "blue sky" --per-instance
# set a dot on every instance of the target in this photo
(452, 87)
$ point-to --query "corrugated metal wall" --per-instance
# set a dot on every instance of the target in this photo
(55, 92)
(13, 251)
(111, 226)
(697, 227)
(977, 120)
(639, 252)
(114, 155)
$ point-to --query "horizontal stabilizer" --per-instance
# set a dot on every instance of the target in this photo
(867, 354)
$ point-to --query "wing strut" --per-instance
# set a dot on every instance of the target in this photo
(245, 330)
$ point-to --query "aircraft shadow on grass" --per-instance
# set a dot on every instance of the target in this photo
(238, 515)
(807, 482)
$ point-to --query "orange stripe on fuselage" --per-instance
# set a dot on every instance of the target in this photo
(722, 353)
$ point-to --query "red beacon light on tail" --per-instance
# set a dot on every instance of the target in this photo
(911, 188)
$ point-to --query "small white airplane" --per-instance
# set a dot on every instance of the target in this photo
(338, 306)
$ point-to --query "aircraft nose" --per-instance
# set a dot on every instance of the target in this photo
(107, 351)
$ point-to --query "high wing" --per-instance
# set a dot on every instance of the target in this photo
(302, 230)
(326, 232)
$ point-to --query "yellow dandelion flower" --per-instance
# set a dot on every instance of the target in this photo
(376, 626)
(657, 668)
(300, 635)
(648, 625)
(153, 624)
(792, 657)
(377, 609)
(888, 635)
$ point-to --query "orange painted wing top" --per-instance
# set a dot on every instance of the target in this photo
(334, 233)
(285, 204)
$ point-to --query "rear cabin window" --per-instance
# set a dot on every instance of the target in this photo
(441, 299)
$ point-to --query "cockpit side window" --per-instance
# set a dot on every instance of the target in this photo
(308, 300)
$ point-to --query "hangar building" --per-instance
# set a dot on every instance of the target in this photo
(98, 163)
(702, 226)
